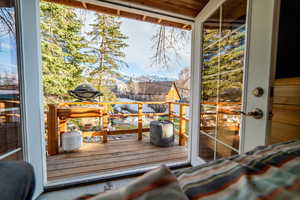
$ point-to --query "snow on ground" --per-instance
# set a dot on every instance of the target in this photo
(176, 110)
(125, 108)
(146, 109)
(132, 107)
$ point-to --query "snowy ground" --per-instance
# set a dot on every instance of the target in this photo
(130, 121)
(133, 107)
(125, 108)
(146, 109)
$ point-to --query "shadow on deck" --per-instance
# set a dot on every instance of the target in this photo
(116, 155)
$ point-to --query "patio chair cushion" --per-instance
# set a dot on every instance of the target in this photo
(157, 184)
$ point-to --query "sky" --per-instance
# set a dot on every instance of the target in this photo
(139, 52)
(8, 55)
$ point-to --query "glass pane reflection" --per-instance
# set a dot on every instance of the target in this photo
(10, 124)
(223, 55)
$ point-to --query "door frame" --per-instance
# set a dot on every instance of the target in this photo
(262, 38)
(31, 90)
(208, 10)
(33, 98)
(258, 36)
(31, 70)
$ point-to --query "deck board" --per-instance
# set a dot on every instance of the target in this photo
(114, 156)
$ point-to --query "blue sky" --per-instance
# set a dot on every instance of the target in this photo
(7, 54)
(139, 52)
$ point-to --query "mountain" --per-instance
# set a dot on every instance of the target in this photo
(154, 78)
(149, 78)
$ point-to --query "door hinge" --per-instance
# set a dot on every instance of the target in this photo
(272, 92)
(271, 115)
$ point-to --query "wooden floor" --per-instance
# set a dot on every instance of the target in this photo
(116, 155)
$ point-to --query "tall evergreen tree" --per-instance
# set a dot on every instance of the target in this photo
(62, 50)
(107, 44)
(223, 61)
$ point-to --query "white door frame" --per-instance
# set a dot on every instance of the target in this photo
(261, 56)
(31, 68)
(33, 98)
(30, 56)
(208, 10)
(262, 27)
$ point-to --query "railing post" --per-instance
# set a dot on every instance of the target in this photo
(52, 130)
(140, 121)
(182, 124)
(105, 122)
(171, 111)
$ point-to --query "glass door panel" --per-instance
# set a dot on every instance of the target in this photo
(10, 115)
(224, 151)
(223, 54)
(206, 147)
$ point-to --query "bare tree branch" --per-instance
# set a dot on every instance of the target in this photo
(7, 22)
(167, 42)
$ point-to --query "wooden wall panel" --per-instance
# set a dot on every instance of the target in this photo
(284, 132)
(287, 94)
(286, 114)
(286, 110)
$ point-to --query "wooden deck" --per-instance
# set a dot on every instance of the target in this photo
(113, 156)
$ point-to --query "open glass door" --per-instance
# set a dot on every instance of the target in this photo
(11, 140)
(20, 119)
(236, 51)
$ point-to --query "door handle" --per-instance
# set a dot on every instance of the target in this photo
(256, 113)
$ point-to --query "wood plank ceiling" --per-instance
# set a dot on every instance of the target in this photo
(184, 8)
(189, 8)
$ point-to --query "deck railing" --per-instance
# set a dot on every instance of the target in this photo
(59, 113)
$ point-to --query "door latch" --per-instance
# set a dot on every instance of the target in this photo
(256, 113)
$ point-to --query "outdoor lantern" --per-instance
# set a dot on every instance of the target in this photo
(85, 92)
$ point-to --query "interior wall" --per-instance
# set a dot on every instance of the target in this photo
(286, 110)
(286, 88)
(289, 40)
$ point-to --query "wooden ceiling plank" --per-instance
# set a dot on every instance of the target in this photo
(189, 8)
(6, 4)
(84, 5)
(183, 4)
(117, 12)
(166, 6)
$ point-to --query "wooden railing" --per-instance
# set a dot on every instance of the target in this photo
(9, 111)
(59, 113)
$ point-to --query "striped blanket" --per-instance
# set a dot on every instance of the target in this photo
(270, 172)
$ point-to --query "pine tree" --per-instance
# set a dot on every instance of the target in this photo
(62, 50)
(223, 61)
(107, 42)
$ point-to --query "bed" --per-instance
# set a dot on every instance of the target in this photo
(267, 172)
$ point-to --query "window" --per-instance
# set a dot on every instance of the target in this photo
(10, 109)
